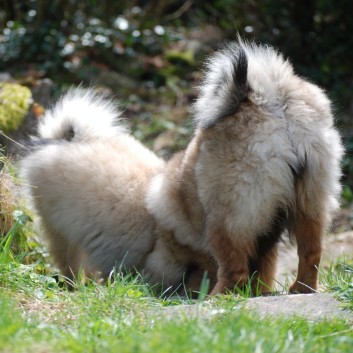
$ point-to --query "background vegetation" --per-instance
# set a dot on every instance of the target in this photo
(152, 41)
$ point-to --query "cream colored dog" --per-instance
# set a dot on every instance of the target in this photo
(264, 160)
(88, 180)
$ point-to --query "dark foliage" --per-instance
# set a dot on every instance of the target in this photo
(61, 39)
(315, 34)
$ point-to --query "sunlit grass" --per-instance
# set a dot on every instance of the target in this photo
(38, 313)
(339, 278)
(120, 317)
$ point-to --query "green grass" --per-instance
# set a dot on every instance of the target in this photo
(38, 313)
(120, 318)
(339, 278)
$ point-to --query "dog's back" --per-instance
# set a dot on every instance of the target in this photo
(279, 134)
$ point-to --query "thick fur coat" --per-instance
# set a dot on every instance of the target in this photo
(264, 160)
(87, 182)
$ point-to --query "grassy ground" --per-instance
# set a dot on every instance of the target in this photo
(38, 314)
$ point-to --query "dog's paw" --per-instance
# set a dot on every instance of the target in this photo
(301, 288)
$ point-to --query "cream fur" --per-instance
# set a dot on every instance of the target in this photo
(277, 152)
(264, 158)
(90, 191)
(78, 110)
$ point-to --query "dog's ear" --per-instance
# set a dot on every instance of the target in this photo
(224, 86)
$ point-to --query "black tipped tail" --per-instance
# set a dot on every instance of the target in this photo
(224, 86)
(241, 74)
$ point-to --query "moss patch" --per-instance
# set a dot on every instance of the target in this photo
(14, 103)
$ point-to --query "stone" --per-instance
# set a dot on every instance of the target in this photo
(313, 307)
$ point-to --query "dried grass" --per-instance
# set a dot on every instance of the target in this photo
(7, 202)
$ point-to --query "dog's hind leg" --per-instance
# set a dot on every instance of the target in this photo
(316, 198)
(71, 259)
(308, 226)
(265, 266)
(308, 233)
(232, 256)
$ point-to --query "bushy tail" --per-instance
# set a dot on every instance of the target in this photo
(81, 115)
(224, 86)
(236, 72)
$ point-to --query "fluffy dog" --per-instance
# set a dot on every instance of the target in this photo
(87, 179)
(264, 160)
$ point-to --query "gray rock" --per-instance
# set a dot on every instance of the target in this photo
(312, 307)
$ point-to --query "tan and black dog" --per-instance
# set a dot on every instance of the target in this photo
(264, 161)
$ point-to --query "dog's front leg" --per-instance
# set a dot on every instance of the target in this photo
(232, 257)
(308, 233)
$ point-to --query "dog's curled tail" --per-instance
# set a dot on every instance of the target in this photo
(238, 72)
(224, 86)
(81, 115)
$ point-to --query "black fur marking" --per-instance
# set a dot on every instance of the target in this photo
(240, 74)
(69, 134)
(232, 90)
(72, 132)
(36, 143)
(294, 171)
(267, 241)
(297, 170)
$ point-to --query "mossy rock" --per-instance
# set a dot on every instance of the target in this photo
(184, 57)
(15, 101)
